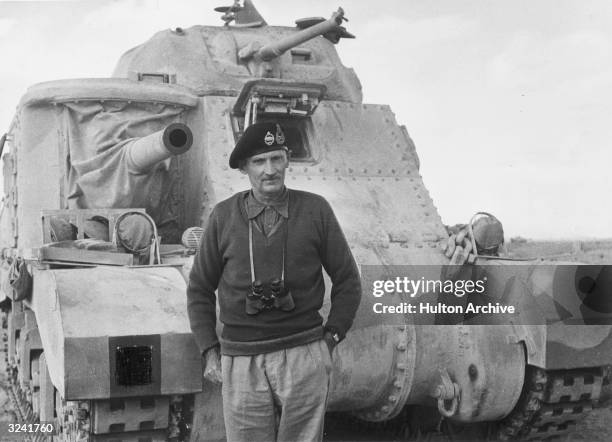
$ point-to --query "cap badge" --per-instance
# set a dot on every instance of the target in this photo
(280, 136)
(269, 139)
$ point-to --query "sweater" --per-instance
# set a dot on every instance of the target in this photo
(314, 242)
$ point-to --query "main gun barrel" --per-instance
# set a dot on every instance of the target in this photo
(273, 50)
(145, 152)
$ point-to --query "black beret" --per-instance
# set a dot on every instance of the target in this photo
(257, 138)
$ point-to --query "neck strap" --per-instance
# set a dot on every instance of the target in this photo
(285, 231)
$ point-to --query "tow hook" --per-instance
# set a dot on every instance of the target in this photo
(447, 391)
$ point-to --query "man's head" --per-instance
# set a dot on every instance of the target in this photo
(266, 172)
(262, 155)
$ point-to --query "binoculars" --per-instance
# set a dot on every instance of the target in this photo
(276, 297)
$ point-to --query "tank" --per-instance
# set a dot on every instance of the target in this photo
(98, 243)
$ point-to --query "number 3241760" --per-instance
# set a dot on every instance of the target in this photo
(46, 428)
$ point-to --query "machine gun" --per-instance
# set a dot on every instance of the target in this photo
(259, 57)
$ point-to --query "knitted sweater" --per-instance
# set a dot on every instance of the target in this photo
(314, 241)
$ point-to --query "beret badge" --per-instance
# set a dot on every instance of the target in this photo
(269, 139)
(280, 136)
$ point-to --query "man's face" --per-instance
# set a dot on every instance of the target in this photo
(266, 172)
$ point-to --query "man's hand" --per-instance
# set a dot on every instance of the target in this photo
(330, 341)
(212, 365)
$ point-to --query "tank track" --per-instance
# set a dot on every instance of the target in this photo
(553, 401)
(69, 430)
(23, 410)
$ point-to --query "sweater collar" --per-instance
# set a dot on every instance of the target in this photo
(254, 207)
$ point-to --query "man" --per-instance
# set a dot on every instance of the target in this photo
(264, 251)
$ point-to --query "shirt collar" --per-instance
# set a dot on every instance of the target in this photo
(254, 207)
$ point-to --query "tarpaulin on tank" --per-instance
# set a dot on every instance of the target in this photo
(98, 175)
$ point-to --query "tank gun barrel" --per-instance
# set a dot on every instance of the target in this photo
(273, 50)
(145, 152)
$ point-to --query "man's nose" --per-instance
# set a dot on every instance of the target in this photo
(269, 168)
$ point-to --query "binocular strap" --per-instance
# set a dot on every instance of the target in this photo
(253, 278)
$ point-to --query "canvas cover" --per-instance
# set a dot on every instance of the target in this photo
(92, 123)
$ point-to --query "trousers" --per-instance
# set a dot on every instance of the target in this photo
(278, 396)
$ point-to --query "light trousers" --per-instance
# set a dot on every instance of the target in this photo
(279, 396)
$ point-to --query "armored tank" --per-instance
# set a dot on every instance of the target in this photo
(94, 260)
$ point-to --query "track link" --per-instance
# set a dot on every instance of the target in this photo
(553, 402)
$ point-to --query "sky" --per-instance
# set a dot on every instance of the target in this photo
(509, 102)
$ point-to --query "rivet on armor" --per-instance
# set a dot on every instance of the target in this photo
(401, 346)
(392, 399)
(385, 408)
